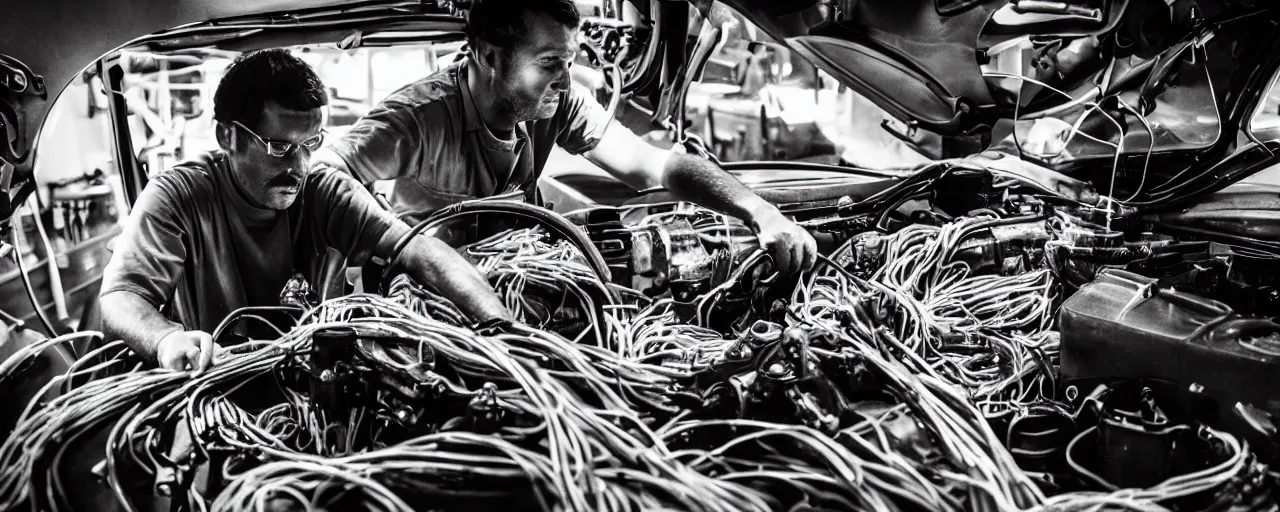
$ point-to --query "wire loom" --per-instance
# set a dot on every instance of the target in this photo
(614, 414)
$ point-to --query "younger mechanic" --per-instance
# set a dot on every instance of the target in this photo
(228, 230)
(486, 126)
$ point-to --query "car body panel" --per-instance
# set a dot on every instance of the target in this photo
(1243, 210)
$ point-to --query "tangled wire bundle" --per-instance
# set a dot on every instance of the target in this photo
(873, 393)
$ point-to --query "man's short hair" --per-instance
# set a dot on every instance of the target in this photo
(258, 76)
(501, 22)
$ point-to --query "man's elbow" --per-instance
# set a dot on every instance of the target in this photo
(126, 316)
(653, 169)
(680, 170)
(114, 313)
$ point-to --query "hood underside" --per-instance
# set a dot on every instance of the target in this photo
(46, 45)
(921, 60)
(1167, 85)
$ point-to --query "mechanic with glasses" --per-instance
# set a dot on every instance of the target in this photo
(229, 229)
(486, 125)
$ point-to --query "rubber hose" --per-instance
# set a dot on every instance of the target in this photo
(26, 283)
(547, 218)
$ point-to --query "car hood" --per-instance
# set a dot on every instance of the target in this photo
(922, 60)
(45, 45)
(1172, 83)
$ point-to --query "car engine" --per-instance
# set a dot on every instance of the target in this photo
(966, 341)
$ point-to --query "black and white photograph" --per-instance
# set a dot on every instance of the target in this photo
(639, 255)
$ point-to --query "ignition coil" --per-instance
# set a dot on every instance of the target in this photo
(332, 351)
(336, 386)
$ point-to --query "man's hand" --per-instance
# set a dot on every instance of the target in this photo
(185, 350)
(792, 247)
(639, 164)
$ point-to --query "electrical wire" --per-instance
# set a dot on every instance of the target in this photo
(546, 218)
(641, 408)
(26, 284)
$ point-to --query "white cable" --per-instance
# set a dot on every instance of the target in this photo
(55, 276)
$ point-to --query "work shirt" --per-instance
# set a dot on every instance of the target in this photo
(429, 138)
(197, 249)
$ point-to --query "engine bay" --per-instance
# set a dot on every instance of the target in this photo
(965, 342)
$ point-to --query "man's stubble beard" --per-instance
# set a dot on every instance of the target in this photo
(511, 103)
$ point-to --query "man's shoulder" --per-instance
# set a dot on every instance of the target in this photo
(437, 90)
(191, 180)
(325, 179)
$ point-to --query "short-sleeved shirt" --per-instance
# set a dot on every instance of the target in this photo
(197, 249)
(429, 138)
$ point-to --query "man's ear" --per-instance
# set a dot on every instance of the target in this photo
(226, 136)
(486, 56)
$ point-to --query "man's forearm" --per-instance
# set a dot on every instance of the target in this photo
(698, 180)
(434, 263)
(129, 317)
(701, 181)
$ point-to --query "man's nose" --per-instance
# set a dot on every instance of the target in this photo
(300, 161)
(563, 79)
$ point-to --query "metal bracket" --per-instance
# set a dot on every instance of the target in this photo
(19, 79)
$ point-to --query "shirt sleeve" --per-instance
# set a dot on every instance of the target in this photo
(385, 144)
(350, 219)
(149, 256)
(582, 119)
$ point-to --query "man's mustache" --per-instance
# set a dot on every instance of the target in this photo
(287, 179)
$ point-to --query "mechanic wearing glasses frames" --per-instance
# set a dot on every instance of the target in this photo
(229, 229)
(486, 126)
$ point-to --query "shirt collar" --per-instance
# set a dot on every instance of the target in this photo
(470, 115)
